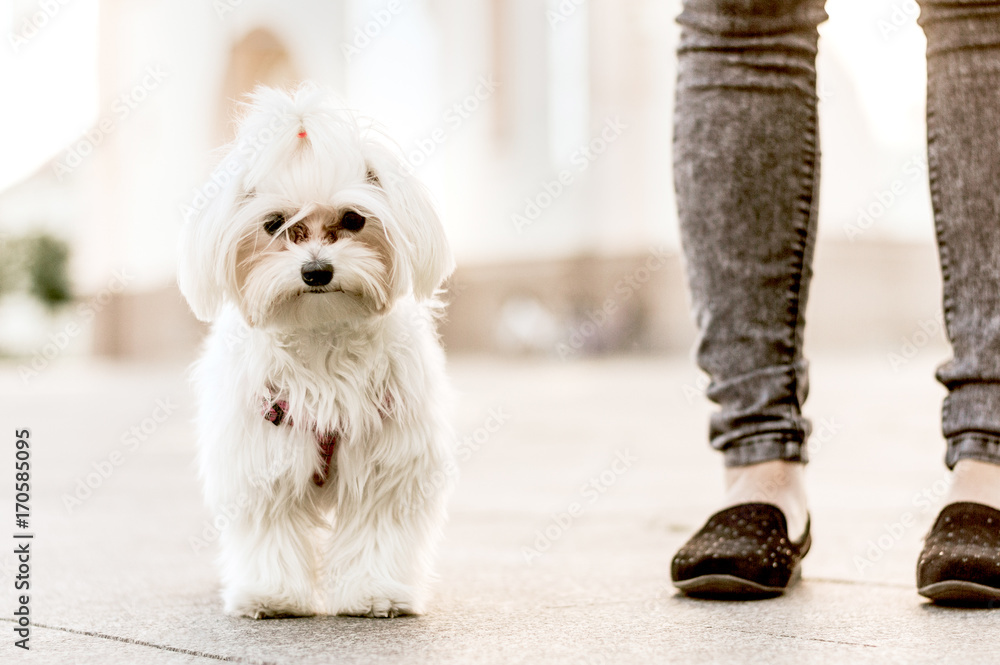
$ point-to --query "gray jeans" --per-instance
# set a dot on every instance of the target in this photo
(746, 172)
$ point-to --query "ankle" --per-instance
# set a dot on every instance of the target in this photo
(975, 481)
(776, 482)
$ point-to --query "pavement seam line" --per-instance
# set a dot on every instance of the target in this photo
(884, 585)
(807, 639)
(143, 643)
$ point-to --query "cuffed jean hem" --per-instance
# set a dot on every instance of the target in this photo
(977, 446)
(970, 415)
(765, 448)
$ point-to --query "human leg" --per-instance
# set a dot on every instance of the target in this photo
(963, 136)
(746, 173)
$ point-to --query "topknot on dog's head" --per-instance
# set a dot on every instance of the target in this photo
(275, 125)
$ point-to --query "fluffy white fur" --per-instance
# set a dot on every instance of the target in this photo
(359, 356)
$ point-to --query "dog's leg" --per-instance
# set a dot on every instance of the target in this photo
(385, 532)
(268, 560)
(254, 476)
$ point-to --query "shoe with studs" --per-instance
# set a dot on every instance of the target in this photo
(742, 552)
(960, 562)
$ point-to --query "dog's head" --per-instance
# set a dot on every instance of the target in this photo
(311, 218)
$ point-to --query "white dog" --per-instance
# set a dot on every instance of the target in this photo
(323, 419)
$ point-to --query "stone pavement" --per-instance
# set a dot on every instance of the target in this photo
(120, 576)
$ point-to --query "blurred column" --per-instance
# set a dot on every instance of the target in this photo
(632, 72)
(520, 59)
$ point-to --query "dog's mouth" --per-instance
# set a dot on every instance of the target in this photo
(323, 289)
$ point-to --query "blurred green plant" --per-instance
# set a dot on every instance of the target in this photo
(38, 263)
(48, 270)
(9, 265)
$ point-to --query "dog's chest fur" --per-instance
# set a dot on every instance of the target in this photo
(350, 380)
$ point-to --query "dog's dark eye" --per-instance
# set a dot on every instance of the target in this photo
(273, 223)
(352, 221)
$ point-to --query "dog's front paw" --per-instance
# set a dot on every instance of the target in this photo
(257, 606)
(376, 600)
(378, 608)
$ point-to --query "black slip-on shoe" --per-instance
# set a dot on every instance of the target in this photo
(742, 552)
(960, 562)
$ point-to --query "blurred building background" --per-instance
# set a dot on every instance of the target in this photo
(543, 127)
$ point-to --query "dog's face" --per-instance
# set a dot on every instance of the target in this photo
(317, 222)
(315, 242)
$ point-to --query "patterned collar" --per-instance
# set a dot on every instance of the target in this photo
(275, 411)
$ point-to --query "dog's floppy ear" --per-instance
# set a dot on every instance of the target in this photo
(416, 230)
(203, 272)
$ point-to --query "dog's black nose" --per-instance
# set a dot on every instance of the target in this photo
(316, 273)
